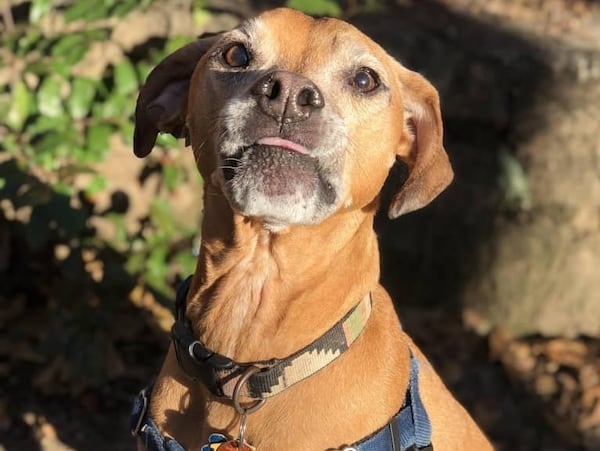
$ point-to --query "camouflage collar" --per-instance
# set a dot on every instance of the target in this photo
(220, 374)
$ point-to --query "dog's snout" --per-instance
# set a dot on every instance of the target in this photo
(287, 97)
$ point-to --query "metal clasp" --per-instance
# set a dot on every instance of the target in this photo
(241, 410)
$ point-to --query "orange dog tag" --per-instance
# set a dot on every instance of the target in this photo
(232, 445)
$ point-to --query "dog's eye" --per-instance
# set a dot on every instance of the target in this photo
(236, 56)
(365, 80)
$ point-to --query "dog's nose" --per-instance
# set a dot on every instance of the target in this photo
(287, 97)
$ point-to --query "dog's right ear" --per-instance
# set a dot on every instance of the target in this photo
(162, 102)
(429, 169)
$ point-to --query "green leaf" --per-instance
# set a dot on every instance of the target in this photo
(143, 69)
(49, 143)
(97, 138)
(39, 8)
(70, 48)
(51, 149)
(115, 106)
(119, 240)
(77, 11)
(96, 185)
(136, 261)
(6, 102)
(22, 99)
(162, 216)
(316, 7)
(79, 102)
(126, 128)
(157, 269)
(47, 161)
(64, 188)
(175, 43)
(200, 4)
(186, 261)
(12, 145)
(48, 98)
(201, 16)
(88, 10)
(166, 140)
(97, 35)
(45, 124)
(126, 80)
(27, 41)
(123, 7)
(37, 66)
(172, 176)
(59, 67)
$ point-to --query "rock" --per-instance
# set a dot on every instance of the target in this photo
(516, 238)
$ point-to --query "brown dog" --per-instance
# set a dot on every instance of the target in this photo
(295, 123)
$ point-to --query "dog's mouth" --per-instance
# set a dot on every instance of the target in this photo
(278, 168)
(279, 181)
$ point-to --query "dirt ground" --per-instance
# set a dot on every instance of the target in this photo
(527, 395)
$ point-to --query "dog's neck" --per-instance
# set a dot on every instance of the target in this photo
(255, 291)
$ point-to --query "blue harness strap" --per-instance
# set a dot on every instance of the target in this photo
(409, 430)
(142, 426)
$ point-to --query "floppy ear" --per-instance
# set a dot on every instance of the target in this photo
(162, 102)
(429, 170)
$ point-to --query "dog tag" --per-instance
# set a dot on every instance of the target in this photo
(232, 445)
(219, 442)
(214, 442)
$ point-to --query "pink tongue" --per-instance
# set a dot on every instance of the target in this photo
(284, 143)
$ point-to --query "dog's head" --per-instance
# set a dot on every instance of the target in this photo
(296, 118)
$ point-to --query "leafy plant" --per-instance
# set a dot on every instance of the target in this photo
(317, 7)
(58, 127)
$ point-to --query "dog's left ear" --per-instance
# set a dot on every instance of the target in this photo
(429, 170)
(162, 102)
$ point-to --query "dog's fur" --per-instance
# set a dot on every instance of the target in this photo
(287, 236)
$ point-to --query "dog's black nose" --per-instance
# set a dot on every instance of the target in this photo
(287, 97)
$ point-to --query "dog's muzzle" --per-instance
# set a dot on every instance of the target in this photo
(281, 151)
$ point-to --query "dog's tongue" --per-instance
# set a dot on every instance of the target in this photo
(283, 143)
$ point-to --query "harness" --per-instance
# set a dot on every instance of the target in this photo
(408, 430)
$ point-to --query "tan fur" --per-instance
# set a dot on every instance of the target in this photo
(259, 295)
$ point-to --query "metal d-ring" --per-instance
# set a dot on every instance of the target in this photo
(244, 411)
(237, 391)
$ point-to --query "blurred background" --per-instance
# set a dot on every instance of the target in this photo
(498, 280)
